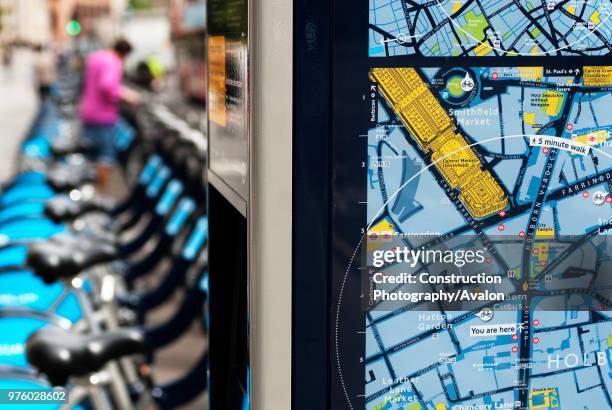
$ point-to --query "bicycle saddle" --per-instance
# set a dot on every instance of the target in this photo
(60, 354)
(62, 208)
(65, 256)
(66, 177)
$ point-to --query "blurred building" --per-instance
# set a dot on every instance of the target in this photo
(24, 21)
(84, 15)
(188, 19)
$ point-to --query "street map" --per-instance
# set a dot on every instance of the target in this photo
(503, 157)
(442, 28)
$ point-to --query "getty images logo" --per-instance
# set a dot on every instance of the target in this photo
(574, 360)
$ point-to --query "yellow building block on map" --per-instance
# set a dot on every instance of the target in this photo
(541, 253)
(529, 117)
(548, 401)
(543, 247)
(440, 406)
(595, 17)
(571, 9)
(531, 73)
(379, 234)
(597, 76)
(434, 130)
(483, 196)
(380, 406)
(548, 232)
(384, 227)
(553, 102)
(455, 160)
(456, 6)
(593, 138)
(483, 49)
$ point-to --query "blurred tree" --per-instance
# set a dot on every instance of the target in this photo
(141, 4)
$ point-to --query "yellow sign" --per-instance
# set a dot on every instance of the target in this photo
(216, 80)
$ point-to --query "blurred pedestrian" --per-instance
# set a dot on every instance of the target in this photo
(102, 93)
(45, 71)
(150, 73)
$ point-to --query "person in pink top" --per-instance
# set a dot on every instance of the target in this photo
(99, 108)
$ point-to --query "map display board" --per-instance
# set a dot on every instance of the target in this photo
(480, 28)
(472, 263)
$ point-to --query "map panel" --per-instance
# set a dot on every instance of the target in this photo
(448, 28)
(498, 155)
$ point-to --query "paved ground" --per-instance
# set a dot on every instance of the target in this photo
(18, 105)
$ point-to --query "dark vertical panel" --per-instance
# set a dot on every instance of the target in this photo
(350, 120)
(311, 200)
(228, 348)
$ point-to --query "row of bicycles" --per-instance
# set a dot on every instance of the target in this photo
(81, 272)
